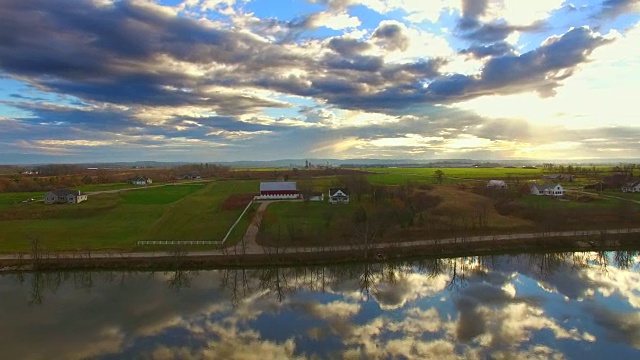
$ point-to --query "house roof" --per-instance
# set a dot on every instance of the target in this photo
(632, 184)
(65, 192)
(278, 186)
(333, 191)
(543, 187)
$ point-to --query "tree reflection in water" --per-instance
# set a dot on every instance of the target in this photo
(283, 281)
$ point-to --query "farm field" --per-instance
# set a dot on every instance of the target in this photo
(107, 187)
(119, 220)
(620, 194)
(291, 221)
(398, 176)
(7, 199)
(548, 202)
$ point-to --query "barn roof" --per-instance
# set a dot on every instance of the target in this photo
(278, 186)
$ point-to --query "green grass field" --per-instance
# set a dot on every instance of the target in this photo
(399, 176)
(119, 220)
(306, 217)
(107, 187)
(159, 195)
(546, 202)
(624, 195)
(7, 199)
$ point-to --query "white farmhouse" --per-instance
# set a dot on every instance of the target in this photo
(338, 196)
(140, 180)
(547, 189)
(631, 187)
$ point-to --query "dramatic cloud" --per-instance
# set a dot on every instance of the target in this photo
(391, 36)
(540, 70)
(613, 8)
(204, 72)
(493, 50)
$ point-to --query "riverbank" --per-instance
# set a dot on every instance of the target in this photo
(620, 239)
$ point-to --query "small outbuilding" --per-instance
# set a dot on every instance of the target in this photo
(316, 196)
(497, 184)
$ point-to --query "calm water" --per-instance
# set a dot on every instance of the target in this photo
(573, 305)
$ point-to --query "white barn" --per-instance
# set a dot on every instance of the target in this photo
(278, 190)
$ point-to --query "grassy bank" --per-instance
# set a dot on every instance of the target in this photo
(289, 257)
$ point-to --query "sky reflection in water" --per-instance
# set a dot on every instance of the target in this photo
(568, 305)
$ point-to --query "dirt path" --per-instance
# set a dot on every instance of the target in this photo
(605, 196)
(249, 239)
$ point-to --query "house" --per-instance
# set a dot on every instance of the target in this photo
(316, 196)
(191, 176)
(497, 184)
(64, 196)
(338, 196)
(546, 189)
(275, 190)
(631, 187)
(140, 180)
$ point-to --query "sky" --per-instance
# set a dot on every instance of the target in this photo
(228, 80)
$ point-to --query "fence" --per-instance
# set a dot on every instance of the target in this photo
(172, 242)
(197, 242)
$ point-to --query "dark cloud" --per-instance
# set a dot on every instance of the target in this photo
(471, 10)
(392, 37)
(113, 54)
(345, 46)
(620, 327)
(29, 98)
(134, 55)
(492, 32)
(613, 8)
(355, 62)
(540, 70)
(472, 322)
(492, 50)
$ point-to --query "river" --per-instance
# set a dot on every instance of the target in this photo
(582, 305)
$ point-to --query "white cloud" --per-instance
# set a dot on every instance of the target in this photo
(336, 21)
(602, 91)
(417, 10)
(518, 12)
